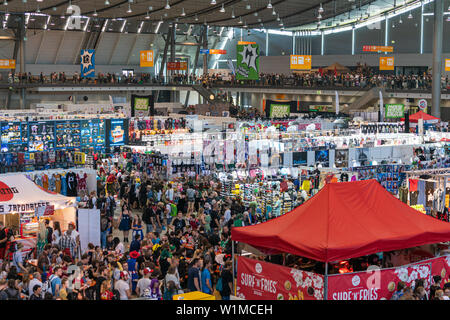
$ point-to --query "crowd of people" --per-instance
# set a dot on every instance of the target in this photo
(360, 79)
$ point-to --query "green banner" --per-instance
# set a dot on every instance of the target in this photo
(141, 104)
(394, 111)
(280, 110)
(321, 108)
(247, 66)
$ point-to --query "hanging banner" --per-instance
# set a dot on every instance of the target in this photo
(375, 284)
(386, 63)
(217, 51)
(7, 64)
(422, 104)
(247, 66)
(44, 211)
(447, 64)
(279, 109)
(394, 111)
(300, 62)
(146, 58)
(177, 65)
(87, 63)
(245, 42)
(378, 48)
(259, 280)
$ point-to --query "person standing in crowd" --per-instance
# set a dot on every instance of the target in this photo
(194, 282)
(125, 222)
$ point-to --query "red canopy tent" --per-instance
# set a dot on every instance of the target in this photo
(422, 115)
(345, 220)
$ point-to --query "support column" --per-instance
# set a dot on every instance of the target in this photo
(173, 95)
(293, 42)
(205, 46)
(267, 42)
(194, 69)
(437, 58)
(23, 68)
(163, 62)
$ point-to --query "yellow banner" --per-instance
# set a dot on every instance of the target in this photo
(301, 62)
(447, 64)
(378, 48)
(146, 58)
(386, 63)
(7, 64)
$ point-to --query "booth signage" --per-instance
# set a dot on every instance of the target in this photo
(245, 42)
(422, 104)
(247, 66)
(279, 110)
(117, 134)
(386, 63)
(321, 108)
(378, 48)
(259, 280)
(301, 62)
(45, 211)
(146, 58)
(177, 65)
(7, 64)
(394, 111)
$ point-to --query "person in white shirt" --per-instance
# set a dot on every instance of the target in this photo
(37, 280)
(143, 283)
(123, 287)
(227, 214)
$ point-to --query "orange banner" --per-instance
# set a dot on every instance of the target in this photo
(146, 58)
(245, 42)
(386, 63)
(378, 48)
(301, 62)
(447, 64)
(217, 51)
(7, 64)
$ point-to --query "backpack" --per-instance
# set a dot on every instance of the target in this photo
(104, 224)
(116, 294)
(219, 284)
(47, 285)
(11, 296)
(174, 210)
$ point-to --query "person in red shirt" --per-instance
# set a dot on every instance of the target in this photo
(110, 183)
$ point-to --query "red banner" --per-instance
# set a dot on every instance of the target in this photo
(259, 280)
(177, 65)
(440, 267)
(376, 284)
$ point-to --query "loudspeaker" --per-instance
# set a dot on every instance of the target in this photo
(406, 121)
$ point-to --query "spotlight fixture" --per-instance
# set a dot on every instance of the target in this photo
(232, 14)
(129, 9)
(107, 3)
(196, 18)
(213, 2)
(319, 16)
(222, 9)
(410, 16)
(183, 13)
(269, 5)
(247, 6)
(95, 13)
(273, 12)
(321, 9)
(167, 7)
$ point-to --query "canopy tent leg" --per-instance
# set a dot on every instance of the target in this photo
(325, 288)
(232, 263)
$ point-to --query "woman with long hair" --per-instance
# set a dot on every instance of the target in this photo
(41, 237)
(125, 223)
(56, 233)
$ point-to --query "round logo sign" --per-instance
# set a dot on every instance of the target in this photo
(6, 193)
(258, 268)
(422, 104)
(356, 280)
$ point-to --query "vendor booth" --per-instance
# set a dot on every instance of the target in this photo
(343, 221)
(23, 205)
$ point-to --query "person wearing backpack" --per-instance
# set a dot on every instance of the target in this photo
(3, 286)
(105, 224)
(49, 231)
(55, 282)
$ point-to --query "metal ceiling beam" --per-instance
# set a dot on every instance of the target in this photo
(114, 48)
(39, 49)
(132, 49)
(77, 53)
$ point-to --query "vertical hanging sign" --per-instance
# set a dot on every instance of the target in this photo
(87, 63)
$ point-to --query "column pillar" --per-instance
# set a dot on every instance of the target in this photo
(437, 57)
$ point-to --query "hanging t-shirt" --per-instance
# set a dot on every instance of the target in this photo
(57, 183)
(64, 185)
(71, 184)
(51, 183)
(306, 185)
(45, 181)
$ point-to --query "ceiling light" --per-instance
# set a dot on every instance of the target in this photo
(167, 7)
(240, 20)
(232, 14)
(222, 9)
(319, 16)
(107, 3)
(278, 17)
(129, 9)
(38, 10)
(269, 5)
(248, 7)
(410, 16)
(183, 13)
(255, 14)
(273, 12)
(150, 8)
(196, 18)
(321, 9)
(213, 2)
(393, 25)
(147, 16)
(400, 21)
(95, 13)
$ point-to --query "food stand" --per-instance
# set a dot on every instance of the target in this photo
(23, 204)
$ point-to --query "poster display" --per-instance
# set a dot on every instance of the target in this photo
(376, 284)
(87, 63)
(247, 66)
(13, 136)
(393, 111)
(177, 65)
(117, 133)
(341, 158)
(142, 106)
(93, 133)
(279, 110)
(299, 158)
(68, 134)
(7, 64)
(378, 48)
(447, 64)
(323, 157)
(259, 280)
(41, 136)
